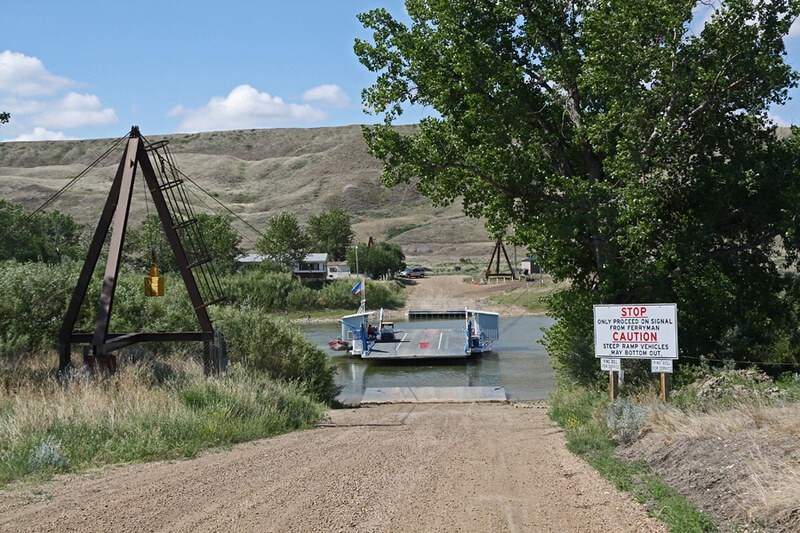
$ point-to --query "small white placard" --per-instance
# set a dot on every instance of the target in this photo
(610, 365)
(661, 366)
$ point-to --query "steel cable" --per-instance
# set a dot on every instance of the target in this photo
(61, 191)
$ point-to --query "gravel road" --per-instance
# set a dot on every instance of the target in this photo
(451, 292)
(466, 467)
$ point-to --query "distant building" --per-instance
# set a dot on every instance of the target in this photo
(338, 270)
(251, 259)
(313, 266)
(530, 266)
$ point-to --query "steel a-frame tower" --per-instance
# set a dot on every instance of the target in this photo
(499, 247)
(165, 184)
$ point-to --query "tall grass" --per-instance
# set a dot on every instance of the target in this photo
(146, 411)
(772, 480)
(587, 419)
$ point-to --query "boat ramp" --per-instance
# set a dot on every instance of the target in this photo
(433, 395)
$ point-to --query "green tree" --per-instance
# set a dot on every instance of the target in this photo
(331, 232)
(377, 261)
(217, 231)
(635, 156)
(48, 236)
(284, 241)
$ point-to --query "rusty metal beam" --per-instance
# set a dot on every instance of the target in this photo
(119, 226)
(210, 365)
(89, 265)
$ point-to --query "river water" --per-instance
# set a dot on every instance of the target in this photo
(519, 363)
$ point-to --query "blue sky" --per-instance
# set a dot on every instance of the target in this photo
(91, 69)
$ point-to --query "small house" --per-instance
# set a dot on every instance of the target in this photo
(530, 266)
(313, 266)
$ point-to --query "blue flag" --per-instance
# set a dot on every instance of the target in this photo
(357, 287)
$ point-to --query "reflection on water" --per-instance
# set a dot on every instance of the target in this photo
(519, 363)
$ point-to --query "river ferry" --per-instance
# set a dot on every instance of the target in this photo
(370, 340)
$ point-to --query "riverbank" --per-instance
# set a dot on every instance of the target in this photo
(451, 291)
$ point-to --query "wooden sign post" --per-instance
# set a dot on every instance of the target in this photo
(663, 367)
(613, 366)
(613, 384)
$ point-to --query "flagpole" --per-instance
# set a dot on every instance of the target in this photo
(363, 308)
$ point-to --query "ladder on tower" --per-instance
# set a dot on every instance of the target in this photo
(170, 185)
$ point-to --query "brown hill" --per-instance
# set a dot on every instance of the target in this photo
(257, 174)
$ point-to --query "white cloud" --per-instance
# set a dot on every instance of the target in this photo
(26, 76)
(41, 134)
(778, 121)
(75, 110)
(329, 94)
(38, 103)
(243, 108)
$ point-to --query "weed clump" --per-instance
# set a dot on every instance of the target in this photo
(48, 454)
(626, 419)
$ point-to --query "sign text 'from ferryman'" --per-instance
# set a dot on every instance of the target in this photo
(636, 331)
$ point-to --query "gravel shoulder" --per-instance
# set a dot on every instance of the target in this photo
(468, 467)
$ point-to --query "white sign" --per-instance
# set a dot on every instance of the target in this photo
(661, 366)
(610, 365)
(636, 331)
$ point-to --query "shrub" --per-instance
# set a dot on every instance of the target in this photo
(263, 343)
(48, 455)
(260, 288)
(715, 388)
(35, 296)
(570, 341)
(337, 295)
(277, 291)
(626, 419)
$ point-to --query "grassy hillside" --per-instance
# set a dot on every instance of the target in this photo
(257, 174)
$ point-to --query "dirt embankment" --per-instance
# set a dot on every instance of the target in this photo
(449, 292)
(741, 465)
(470, 467)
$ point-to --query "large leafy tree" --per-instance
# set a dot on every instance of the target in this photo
(284, 240)
(379, 260)
(218, 234)
(331, 232)
(49, 236)
(633, 154)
